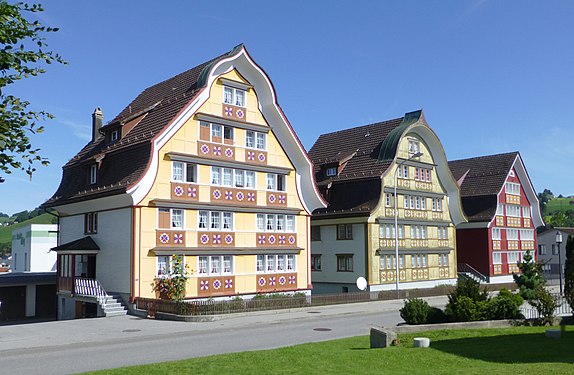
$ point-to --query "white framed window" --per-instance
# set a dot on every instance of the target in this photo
(215, 220)
(164, 263)
(513, 257)
(217, 133)
(232, 177)
(275, 263)
(176, 216)
(256, 140)
(215, 265)
(215, 176)
(500, 210)
(276, 182)
(496, 234)
(512, 234)
(526, 211)
(512, 188)
(93, 174)
(443, 260)
(275, 223)
(419, 260)
(442, 233)
(260, 266)
(290, 223)
(418, 232)
(183, 172)
(403, 171)
(527, 234)
(512, 210)
(234, 96)
(388, 231)
(541, 249)
(436, 204)
(331, 171)
(497, 257)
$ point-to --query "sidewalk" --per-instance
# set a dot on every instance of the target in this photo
(85, 331)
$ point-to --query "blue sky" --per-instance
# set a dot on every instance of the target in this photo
(491, 76)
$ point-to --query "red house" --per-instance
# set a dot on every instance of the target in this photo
(503, 213)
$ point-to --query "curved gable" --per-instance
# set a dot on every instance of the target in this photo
(415, 123)
(240, 60)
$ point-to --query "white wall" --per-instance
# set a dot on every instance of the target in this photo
(31, 248)
(113, 265)
(329, 246)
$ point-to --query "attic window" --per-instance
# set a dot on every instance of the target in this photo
(331, 171)
(93, 173)
(233, 96)
(115, 135)
(414, 147)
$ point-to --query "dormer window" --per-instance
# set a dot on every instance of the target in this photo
(331, 171)
(93, 174)
(115, 135)
(414, 146)
(234, 96)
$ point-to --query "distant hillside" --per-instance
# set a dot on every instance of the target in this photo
(6, 232)
(559, 204)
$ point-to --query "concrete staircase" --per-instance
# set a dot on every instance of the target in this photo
(112, 306)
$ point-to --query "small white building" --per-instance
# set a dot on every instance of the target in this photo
(31, 248)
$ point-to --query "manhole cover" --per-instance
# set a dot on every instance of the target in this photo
(313, 312)
(322, 329)
(131, 330)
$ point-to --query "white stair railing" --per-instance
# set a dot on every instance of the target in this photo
(89, 288)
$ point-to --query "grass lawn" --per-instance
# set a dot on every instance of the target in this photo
(559, 204)
(6, 232)
(516, 350)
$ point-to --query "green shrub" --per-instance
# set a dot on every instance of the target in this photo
(468, 302)
(436, 316)
(505, 306)
(465, 309)
(545, 303)
(415, 311)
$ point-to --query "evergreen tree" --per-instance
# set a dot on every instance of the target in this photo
(530, 277)
(569, 272)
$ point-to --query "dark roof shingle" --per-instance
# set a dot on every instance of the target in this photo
(356, 189)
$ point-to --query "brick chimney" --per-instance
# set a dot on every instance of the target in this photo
(97, 123)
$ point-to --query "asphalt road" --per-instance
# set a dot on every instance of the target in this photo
(69, 347)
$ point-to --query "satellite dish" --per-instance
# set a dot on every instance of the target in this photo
(362, 283)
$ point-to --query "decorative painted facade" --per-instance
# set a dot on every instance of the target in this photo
(503, 211)
(355, 235)
(224, 183)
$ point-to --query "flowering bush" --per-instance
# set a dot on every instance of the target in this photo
(171, 285)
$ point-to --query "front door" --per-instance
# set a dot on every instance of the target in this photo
(91, 269)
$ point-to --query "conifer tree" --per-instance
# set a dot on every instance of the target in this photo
(530, 277)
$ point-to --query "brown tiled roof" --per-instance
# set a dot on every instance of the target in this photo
(356, 189)
(483, 178)
(361, 144)
(124, 162)
(349, 198)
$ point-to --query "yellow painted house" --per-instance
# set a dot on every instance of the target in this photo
(358, 171)
(204, 166)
